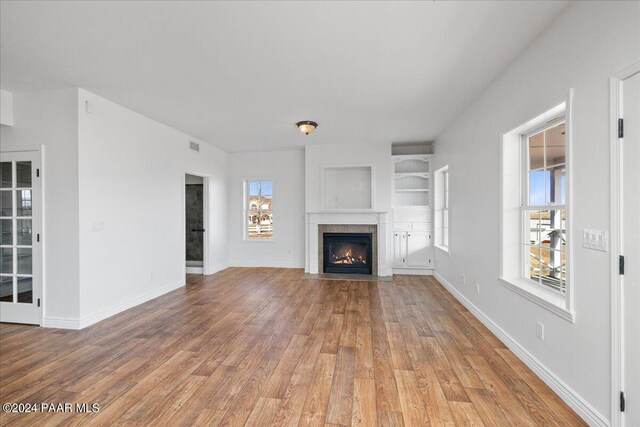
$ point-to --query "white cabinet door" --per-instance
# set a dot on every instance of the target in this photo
(419, 249)
(399, 248)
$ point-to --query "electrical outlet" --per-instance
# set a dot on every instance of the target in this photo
(96, 226)
(478, 288)
(540, 331)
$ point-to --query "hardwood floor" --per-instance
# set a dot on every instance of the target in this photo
(258, 347)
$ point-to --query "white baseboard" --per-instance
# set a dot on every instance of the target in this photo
(217, 268)
(194, 270)
(60, 323)
(414, 271)
(70, 323)
(282, 264)
(566, 393)
(117, 308)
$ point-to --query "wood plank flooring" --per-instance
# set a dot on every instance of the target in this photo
(260, 346)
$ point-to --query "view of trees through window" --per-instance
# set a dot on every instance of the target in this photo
(259, 209)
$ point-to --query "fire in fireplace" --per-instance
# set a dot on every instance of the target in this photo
(347, 253)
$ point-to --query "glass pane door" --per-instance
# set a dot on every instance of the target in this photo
(20, 239)
(16, 240)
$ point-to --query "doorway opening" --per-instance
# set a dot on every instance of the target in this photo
(195, 223)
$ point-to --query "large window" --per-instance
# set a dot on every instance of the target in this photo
(441, 209)
(535, 214)
(544, 210)
(259, 210)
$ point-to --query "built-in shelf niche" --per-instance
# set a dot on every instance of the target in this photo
(411, 164)
(347, 187)
(411, 181)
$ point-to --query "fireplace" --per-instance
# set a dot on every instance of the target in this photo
(349, 253)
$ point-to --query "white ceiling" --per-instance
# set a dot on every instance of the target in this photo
(239, 75)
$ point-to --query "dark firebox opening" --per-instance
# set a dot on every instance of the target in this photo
(347, 253)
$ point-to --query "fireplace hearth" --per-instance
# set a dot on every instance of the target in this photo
(347, 253)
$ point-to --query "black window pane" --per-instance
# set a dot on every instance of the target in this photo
(25, 290)
(23, 174)
(6, 260)
(6, 203)
(6, 288)
(5, 174)
(6, 232)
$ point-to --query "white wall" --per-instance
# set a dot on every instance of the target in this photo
(49, 120)
(6, 108)
(131, 179)
(286, 170)
(589, 43)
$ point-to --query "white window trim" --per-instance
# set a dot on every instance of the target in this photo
(511, 248)
(440, 186)
(245, 210)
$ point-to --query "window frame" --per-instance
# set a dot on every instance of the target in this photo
(246, 210)
(511, 218)
(442, 209)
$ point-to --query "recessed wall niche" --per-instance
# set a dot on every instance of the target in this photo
(347, 187)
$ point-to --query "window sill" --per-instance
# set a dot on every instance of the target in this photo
(444, 249)
(549, 300)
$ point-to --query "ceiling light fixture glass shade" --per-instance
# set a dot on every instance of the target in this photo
(307, 126)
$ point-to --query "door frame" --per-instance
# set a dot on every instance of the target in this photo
(205, 220)
(38, 226)
(615, 219)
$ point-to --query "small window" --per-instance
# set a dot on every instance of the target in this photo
(259, 210)
(441, 208)
(544, 209)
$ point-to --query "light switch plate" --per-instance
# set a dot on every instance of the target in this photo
(595, 239)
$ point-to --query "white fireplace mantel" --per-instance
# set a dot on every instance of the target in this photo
(347, 217)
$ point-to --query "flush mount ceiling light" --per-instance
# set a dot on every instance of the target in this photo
(307, 126)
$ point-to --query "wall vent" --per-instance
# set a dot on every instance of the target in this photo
(194, 146)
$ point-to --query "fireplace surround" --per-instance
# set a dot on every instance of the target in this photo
(373, 222)
(347, 253)
(349, 229)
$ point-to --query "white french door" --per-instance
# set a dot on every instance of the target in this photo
(20, 238)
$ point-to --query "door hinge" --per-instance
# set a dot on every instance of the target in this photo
(38, 237)
(38, 173)
(621, 264)
(622, 401)
(38, 302)
(620, 128)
